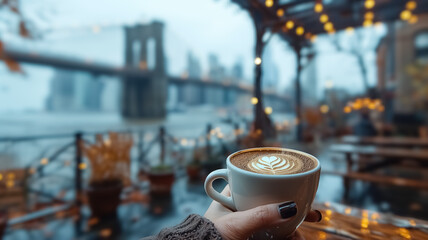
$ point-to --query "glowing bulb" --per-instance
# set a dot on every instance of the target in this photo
(324, 108)
(324, 18)
(328, 26)
(289, 24)
(369, 4)
(369, 15)
(82, 166)
(329, 84)
(405, 15)
(44, 161)
(318, 7)
(367, 23)
(411, 5)
(347, 109)
(269, 3)
(300, 31)
(349, 30)
(413, 19)
(280, 12)
(254, 100)
(258, 61)
(313, 38)
(268, 110)
(1, 176)
(183, 142)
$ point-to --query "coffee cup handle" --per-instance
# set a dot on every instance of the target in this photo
(212, 193)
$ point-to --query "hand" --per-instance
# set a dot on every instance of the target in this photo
(240, 225)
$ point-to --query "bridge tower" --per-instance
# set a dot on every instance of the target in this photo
(145, 97)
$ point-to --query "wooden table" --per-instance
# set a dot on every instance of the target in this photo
(386, 141)
(389, 156)
(344, 222)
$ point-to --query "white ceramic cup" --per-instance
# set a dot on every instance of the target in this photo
(249, 190)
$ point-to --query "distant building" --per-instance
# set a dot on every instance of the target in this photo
(190, 94)
(404, 45)
(270, 76)
(74, 91)
(216, 72)
(237, 72)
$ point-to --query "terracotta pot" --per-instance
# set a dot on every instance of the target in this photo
(161, 182)
(104, 197)
(194, 172)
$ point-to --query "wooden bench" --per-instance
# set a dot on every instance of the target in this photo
(386, 180)
(405, 142)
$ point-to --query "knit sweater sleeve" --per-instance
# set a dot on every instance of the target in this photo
(194, 227)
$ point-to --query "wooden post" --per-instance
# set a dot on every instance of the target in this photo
(140, 146)
(209, 128)
(347, 181)
(298, 95)
(162, 144)
(78, 173)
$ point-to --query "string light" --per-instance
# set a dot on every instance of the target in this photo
(82, 166)
(324, 109)
(289, 24)
(258, 61)
(413, 19)
(349, 30)
(280, 12)
(328, 26)
(347, 109)
(1, 176)
(300, 30)
(324, 18)
(405, 15)
(329, 84)
(269, 3)
(369, 15)
(313, 38)
(367, 23)
(44, 161)
(268, 110)
(254, 100)
(318, 7)
(411, 5)
(369, 4)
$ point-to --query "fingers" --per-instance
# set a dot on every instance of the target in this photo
(264, 216)
(313, 216)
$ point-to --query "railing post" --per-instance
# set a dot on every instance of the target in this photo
(162, 144)
(78, 173)
(209, 128)
(140, 147)
(237, 133)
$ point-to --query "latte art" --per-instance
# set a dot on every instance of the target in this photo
(273, 165)
(273, 162)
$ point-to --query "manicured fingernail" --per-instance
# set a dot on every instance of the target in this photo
(319, 215)
(287, 209)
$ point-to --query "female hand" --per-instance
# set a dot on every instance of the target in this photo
(240, 225)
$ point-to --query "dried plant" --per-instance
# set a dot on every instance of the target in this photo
(110, 158)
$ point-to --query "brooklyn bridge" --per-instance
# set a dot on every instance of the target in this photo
(145, 82)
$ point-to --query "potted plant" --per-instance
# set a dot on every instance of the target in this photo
(161, 176)
(110, 165)
(193, 168)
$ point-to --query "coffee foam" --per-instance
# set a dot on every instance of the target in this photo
(273, 162)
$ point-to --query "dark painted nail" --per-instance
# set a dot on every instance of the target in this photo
(287, 209)
(319, 215)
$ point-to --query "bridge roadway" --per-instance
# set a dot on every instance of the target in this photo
(105, 69)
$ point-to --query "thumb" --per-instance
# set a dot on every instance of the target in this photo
(240, 225)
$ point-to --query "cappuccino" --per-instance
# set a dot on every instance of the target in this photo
(273, 162)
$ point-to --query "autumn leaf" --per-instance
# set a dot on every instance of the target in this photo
(13, 66)
(23, 31)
